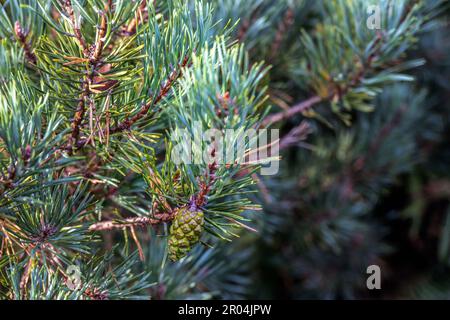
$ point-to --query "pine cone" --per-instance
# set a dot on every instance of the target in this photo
(185, 232)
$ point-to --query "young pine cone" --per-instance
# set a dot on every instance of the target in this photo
(185, 232)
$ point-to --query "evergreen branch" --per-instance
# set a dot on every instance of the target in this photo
(337, 91)
(78, 117)
(283, 27)
(100, 41)
(298, 108)
(377, 142)
(178, 60)
(8, 182)
(89, 291)
(140, 16)
(297, 134)
(22, 37)
(246, 24)
(76, 28)
(205, 187)
(173, 77)
(94, 61)
(132, 222)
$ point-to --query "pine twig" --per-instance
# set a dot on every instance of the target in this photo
(173, 77)
(132, 222)
(296, 135)
(379, 139)
(140, 16)
(76, 28)
(109, 5)
(301, 107)
(283, 27)
(94, 60)
(246, 24)
(22, 37)
(205, 187)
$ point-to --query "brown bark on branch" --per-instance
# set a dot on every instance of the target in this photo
(282, 30)
(141, 16)
(76, 28)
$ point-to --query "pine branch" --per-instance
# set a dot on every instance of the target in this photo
(140, 16)
(246, 24)
(336, 93)
(296, 135)
(173, 77)
(76, 28)
(100, 42)
(205, 187)
(8, 182)
(109, 5)
(94, 61)
(283, 28)
(298, 108)
(378, 141)
(22, 37)
(132, 222)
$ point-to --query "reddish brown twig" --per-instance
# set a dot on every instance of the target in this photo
(76, 28)
(8, 181)
(296, 135)
(22, 37)
(283, 27)
(379, 139)
(94, 60)
(336, 92)
(132, 222)
(109, 6)
(301, 107)
(78, 117)
(246, 24)
(140, 16)
(173, 77)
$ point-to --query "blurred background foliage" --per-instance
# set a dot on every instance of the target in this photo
(364, 176)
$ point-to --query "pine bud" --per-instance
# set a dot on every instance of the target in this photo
(185, 232)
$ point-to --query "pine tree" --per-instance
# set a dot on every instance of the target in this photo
(99, 97)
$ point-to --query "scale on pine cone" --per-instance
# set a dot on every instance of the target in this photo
(185, 231)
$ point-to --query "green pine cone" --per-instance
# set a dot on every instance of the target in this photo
(185, 232)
